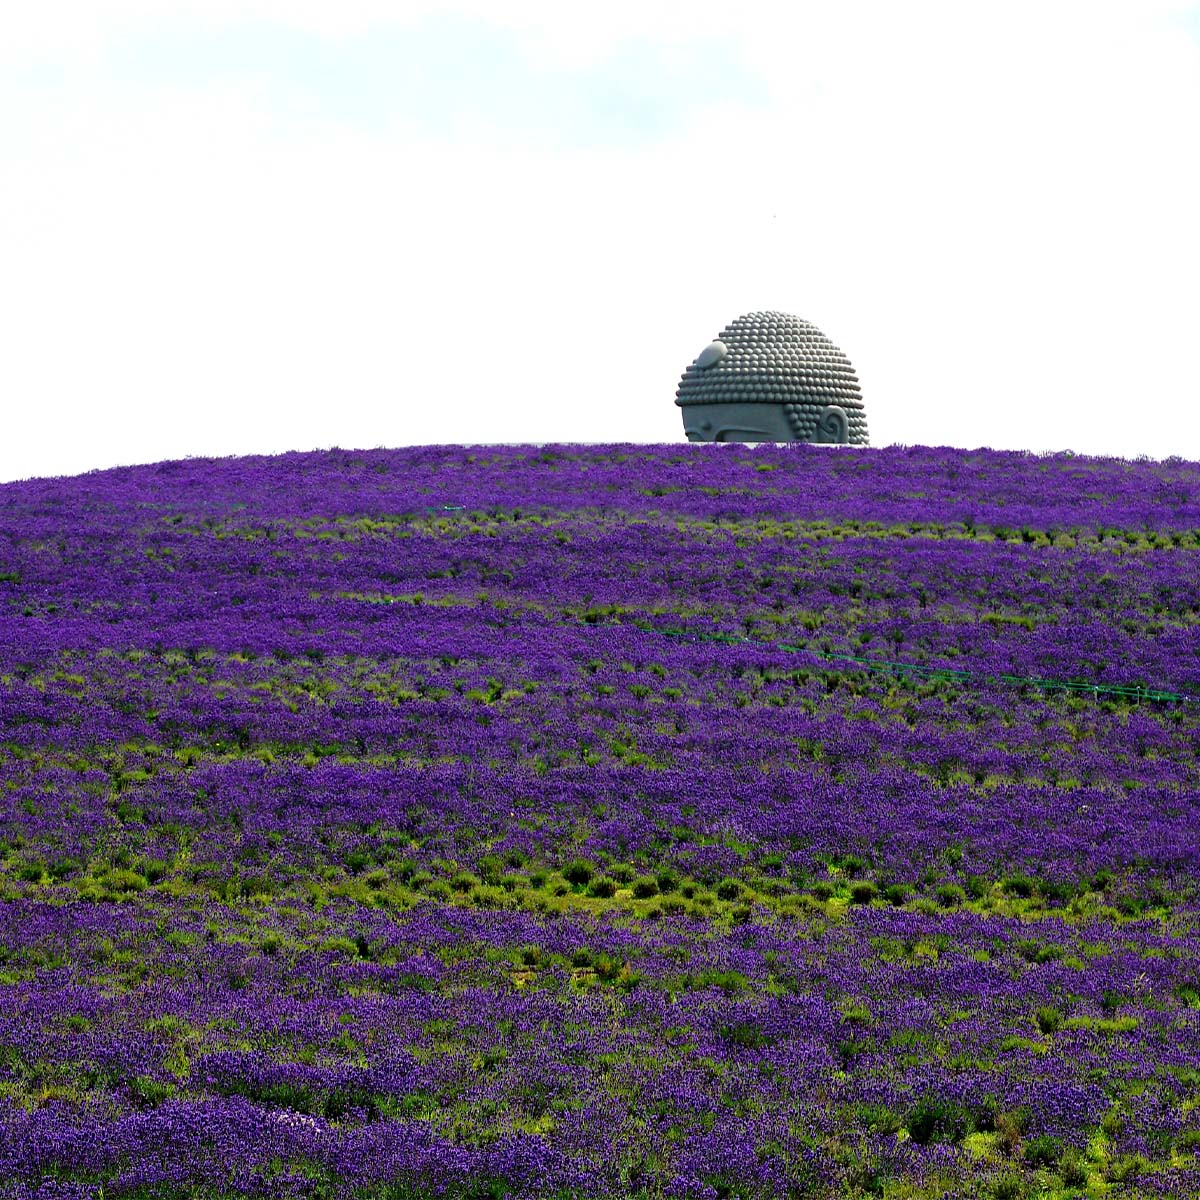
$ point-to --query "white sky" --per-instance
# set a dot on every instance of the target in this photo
(249, 226)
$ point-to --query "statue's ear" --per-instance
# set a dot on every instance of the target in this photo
(833, 426)
(712, 353)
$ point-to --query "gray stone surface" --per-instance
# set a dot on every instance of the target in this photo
(737, 423)
(770, 376)
(711, 354)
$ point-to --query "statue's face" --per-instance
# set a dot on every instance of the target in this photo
(736, 423)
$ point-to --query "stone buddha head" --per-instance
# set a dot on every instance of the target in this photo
(771, 377)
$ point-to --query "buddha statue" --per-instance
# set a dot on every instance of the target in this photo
(771, 377)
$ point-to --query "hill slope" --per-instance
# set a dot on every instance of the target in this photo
(666, 821)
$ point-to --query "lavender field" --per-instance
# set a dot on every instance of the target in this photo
(599, 821)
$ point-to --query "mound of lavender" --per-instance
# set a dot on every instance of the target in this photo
(689, 821)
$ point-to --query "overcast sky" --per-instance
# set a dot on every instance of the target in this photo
(248, 226)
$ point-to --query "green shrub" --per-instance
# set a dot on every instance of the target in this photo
(490, 897)
(603, 887)
(667, 880)
(124, 881)
(579, 871)
(1073, 1169)
(950, 895)
(935, 1120)
(404, 871)
(148, 1092)
(251, 885)
(62, 868)
(746, 1034)
(1009, 1187)
(645, 887)
(1113, 1123)
(1019, 885)
(356, 860)
(1043, 1151)
(606, 967)
(1128, 1167)
(730, 982)
(1048, 1019)
(729, 889)
(1188, 993)
(1055, 891)
(491, 867)
(896, 893)
(862, 892)
(1011, 1127)
(878, 1118)
(490, 1059)
(1039, 952)
(854, 1013)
